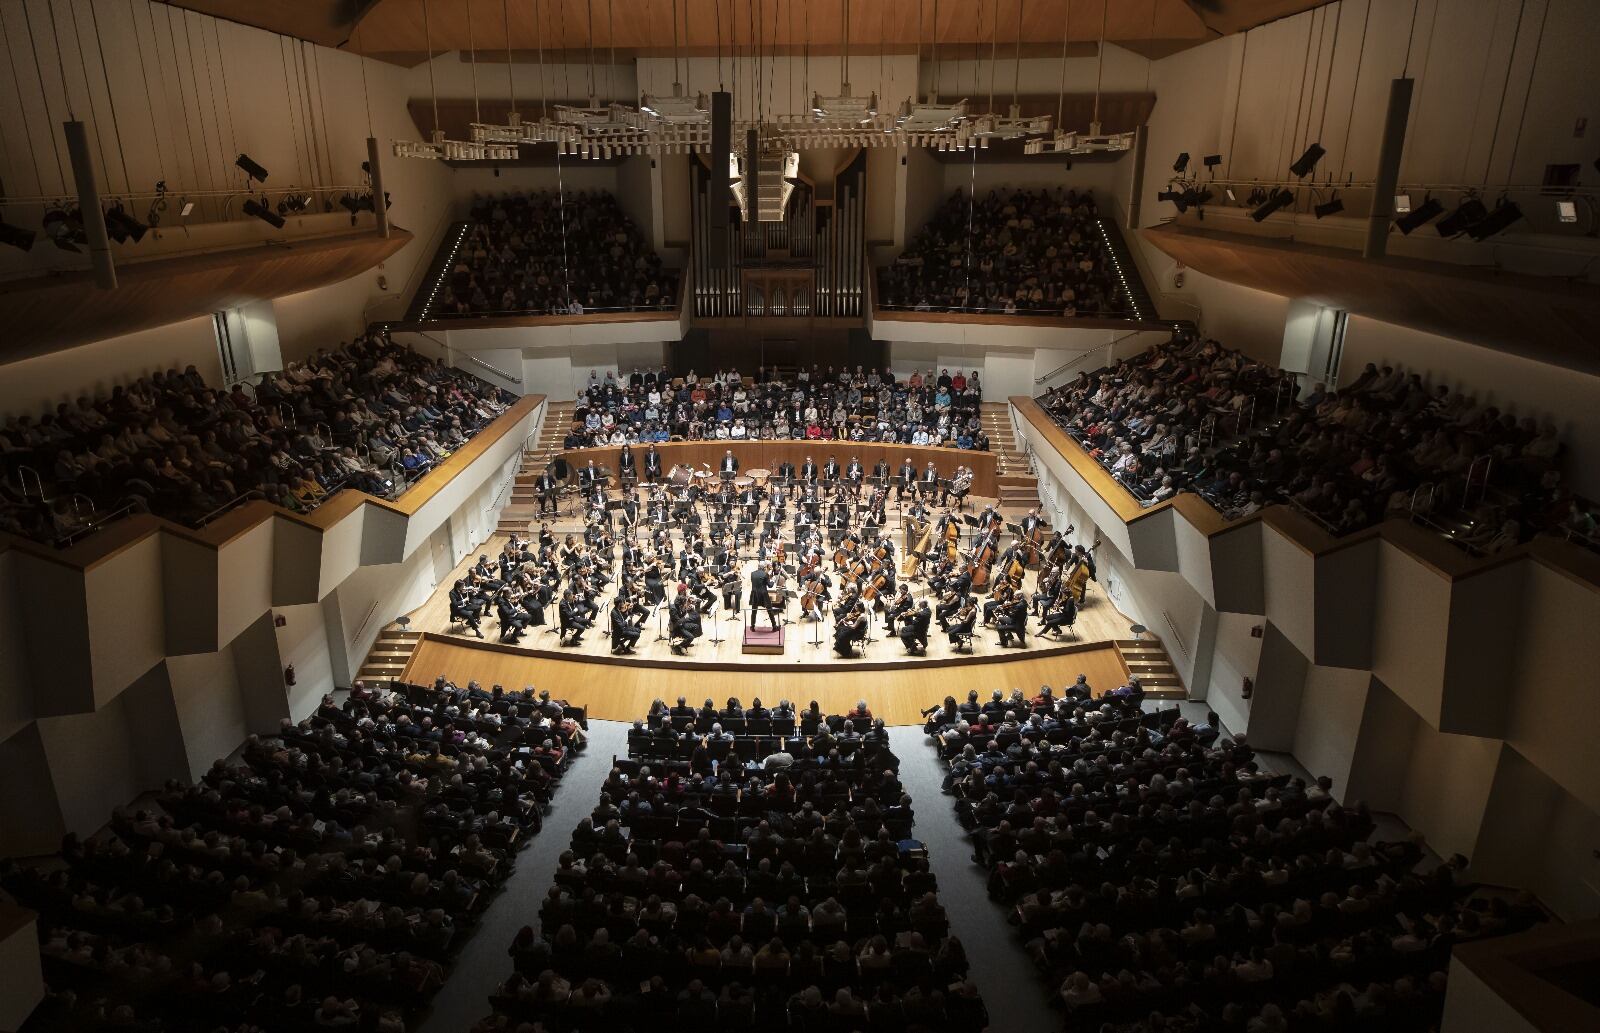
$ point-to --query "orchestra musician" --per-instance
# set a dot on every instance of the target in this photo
(1013, 621)
(907, 479)
(575, 618)
(466, 606)
(961, 622)
(730, 465)
(899, 608)
(627, 470)
(830, 469)
(961, 485)
(589, 476)
(683, 621)
(928, 486)
(626, 619)
(652, 465)
(880, 473)
(854, 473)
(1060, 614)
(630, 513)
(545, 486)
(914, 630)
(808, 470)
(785, 472)
(850, 628)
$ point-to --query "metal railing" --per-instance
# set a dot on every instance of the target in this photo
(496, 370)
(231, 504)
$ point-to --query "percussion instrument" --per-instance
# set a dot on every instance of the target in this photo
(759, 474)
(743, 482)
(680, 475)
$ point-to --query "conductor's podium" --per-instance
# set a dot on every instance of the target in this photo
(763, 639)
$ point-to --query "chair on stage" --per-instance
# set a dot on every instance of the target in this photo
(961, 641)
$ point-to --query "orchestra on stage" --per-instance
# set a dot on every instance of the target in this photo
(678, 547)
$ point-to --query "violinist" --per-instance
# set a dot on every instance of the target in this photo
(961, 622)
(849, 629)
(914, 631)
(1013, 621)
(513, 618)
(575, 618)
(683, 622)
(898, 608)
(626, 619)
(1060, 614)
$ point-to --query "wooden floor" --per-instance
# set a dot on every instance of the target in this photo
(623, 692)
(1098, 621)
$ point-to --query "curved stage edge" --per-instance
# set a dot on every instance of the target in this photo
(898, 689)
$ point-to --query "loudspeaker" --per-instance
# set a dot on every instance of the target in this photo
(721, 144)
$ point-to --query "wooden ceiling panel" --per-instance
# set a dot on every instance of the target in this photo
(1547, 319)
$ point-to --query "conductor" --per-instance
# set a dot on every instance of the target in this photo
(761, 598)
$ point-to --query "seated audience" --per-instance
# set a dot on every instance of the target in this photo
(1031, 252)
(818, 405)
(546, 253)
(1162, 882)
(373, 416)
(324, 878)
(712, 890)
(1193, 416)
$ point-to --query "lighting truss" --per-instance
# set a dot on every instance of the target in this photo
(1094, 141)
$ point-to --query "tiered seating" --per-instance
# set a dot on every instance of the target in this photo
(1033, 252)
(731, 880)
(1193, 416)
(848, 405)
(1162, 881)
(326, 878)
(373, 415)
(551, 253)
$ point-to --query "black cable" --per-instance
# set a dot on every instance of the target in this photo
(1511, 59)
(1526, 96)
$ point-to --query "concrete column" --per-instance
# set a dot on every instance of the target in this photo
(1389, 154)
(94, 219)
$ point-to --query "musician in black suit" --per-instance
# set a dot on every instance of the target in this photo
(830, 469)
(627, 467)
(1030, 522)
(848, 630)
(880, 473)
(683, 621)
(1013, 621)
(785, 471)
(898, 609)
(914, 629)
(589, 476)
(512, 617)
(730, 465)
(906, 480)
(808, 470)
(930, 480)
(466, 607)
(545, 485)
(652, 465)
(1061, 614)
(624, 626)
(574, 618)
(761, 596)
(853, 473)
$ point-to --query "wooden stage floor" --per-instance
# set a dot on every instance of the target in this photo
(622, 690)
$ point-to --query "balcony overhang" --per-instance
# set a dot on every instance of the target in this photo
(52, 313)
(1547, 319)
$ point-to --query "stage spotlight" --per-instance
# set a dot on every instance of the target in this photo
(65, 229)
(1505, 213)
(122, 227)
(349, 203)
(1467, 214)
(1281, 199)
(1182, 162)
(1308, 161)
(265, 214)
(1332, 206)
(1416, 218)
(1169, 195)
(1212, 160)
(293, 204)
(1256, 196)
(16, 236)
(251, 169)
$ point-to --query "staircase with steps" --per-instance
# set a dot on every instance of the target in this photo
(1018, 487)
(390, 654)
(523, 504)
(1148, 659)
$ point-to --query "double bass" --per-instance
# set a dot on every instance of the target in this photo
(982, 559)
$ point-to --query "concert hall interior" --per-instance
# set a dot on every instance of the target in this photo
(841, 516)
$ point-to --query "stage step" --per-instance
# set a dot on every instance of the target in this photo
(389, 655)
(1147, 658)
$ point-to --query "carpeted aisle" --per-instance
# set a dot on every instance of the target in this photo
(483, 963)
(1011, 988)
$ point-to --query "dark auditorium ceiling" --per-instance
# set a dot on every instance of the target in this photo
(394, 29)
